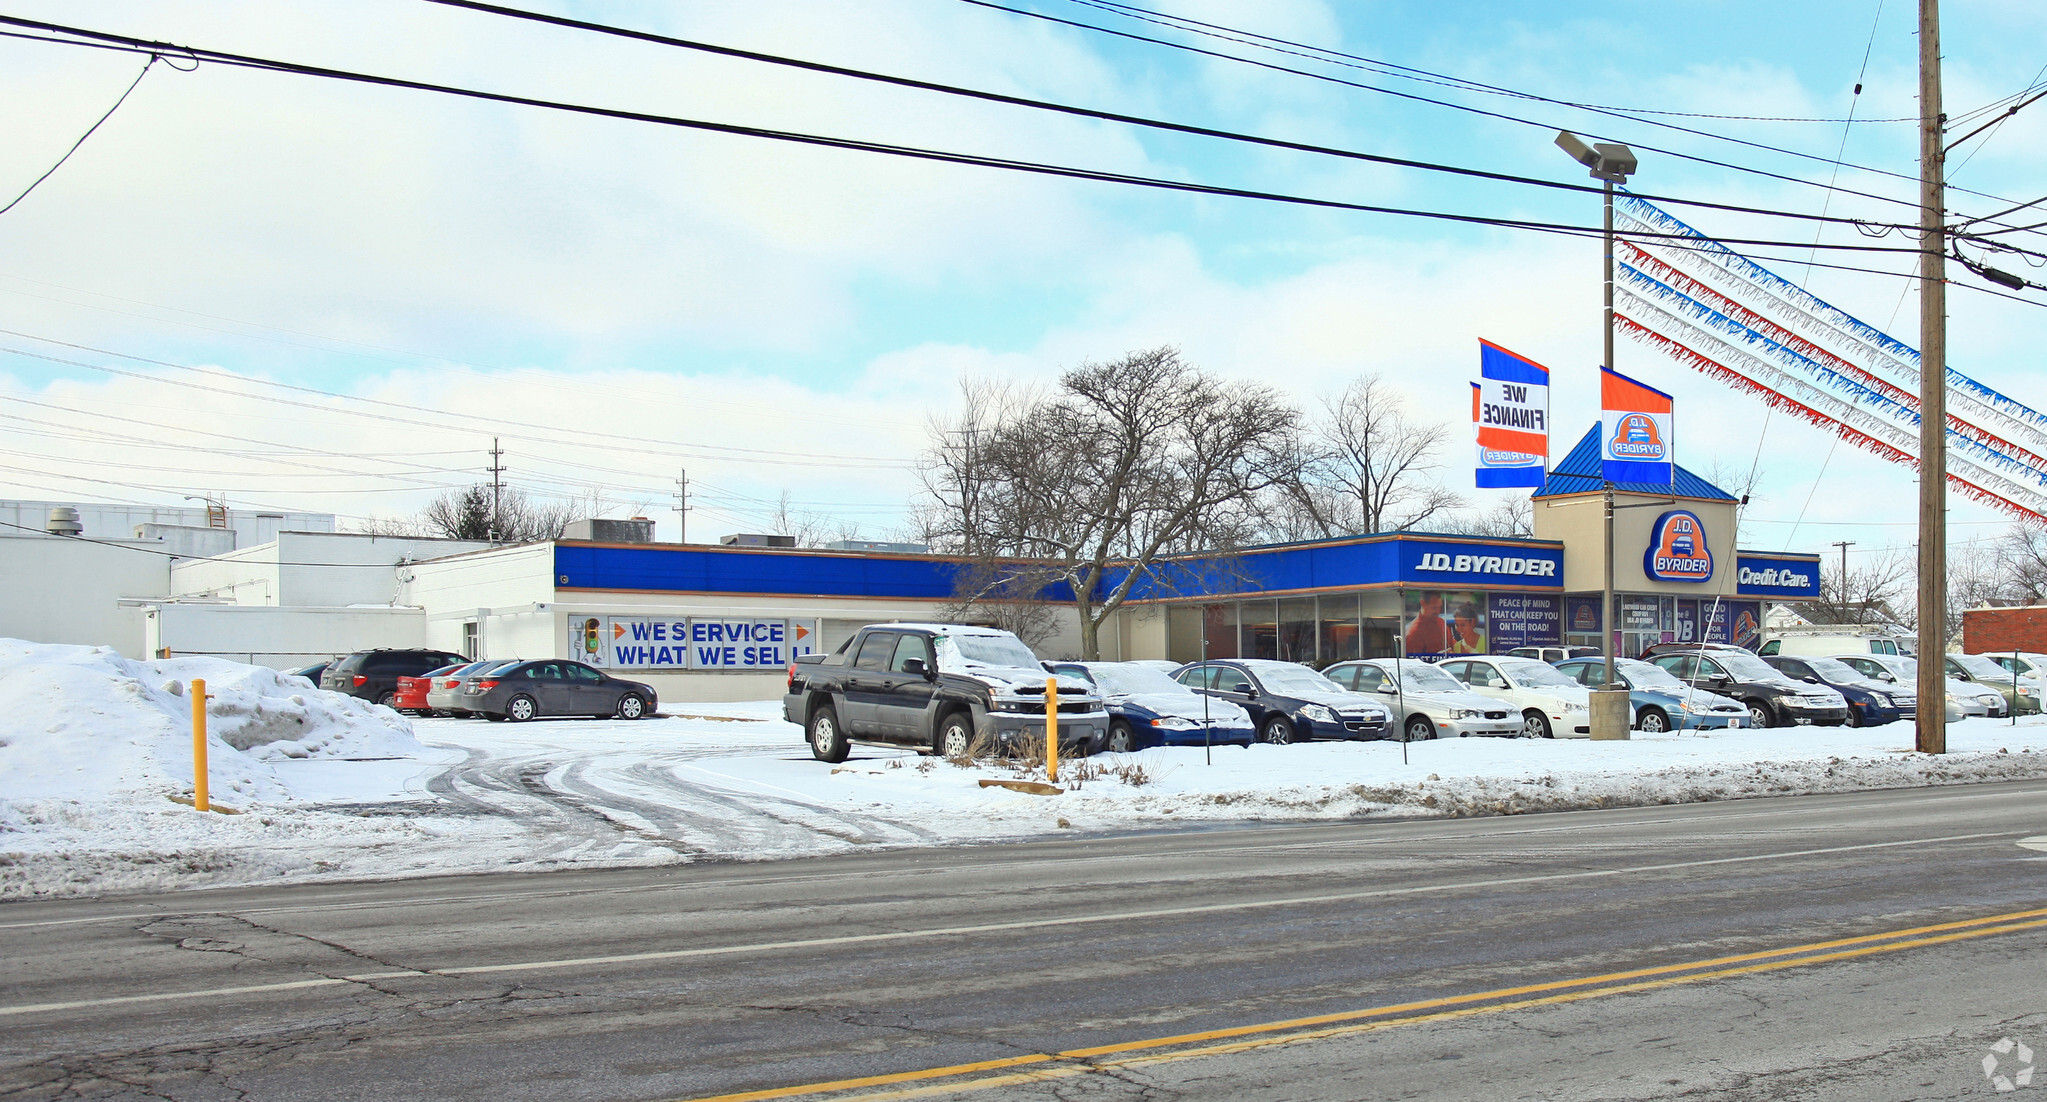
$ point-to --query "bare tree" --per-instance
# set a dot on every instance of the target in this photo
(1125, 465)
(1365, 467)
(1511, 517)
(2023, 555)
(810, 529)
(509, 515)
(1872, 595)
(1007, 594)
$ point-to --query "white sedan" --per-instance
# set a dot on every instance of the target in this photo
(1551, 704)
(1433, 704)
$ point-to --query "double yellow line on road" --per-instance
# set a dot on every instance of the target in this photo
(1040, 1066)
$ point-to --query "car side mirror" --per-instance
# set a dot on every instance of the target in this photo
(1242, 688)
(1388, 690)
(1810, 680)
(915, 666)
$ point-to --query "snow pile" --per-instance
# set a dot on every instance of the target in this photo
(85, 724)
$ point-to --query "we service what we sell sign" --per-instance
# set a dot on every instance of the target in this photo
(689, 643)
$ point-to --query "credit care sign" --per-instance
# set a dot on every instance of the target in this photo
(689, 643)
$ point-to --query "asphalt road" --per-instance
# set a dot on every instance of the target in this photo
(1764, 949)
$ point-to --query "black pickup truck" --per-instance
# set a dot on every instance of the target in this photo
(937, 687)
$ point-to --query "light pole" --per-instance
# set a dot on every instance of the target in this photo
(1611, 163)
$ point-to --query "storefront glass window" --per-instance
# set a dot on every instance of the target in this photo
(1339, 614)
(1259, 630)
(1219, 631)
(1297, 629)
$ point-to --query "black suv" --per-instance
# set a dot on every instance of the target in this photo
(1773, 699)
(373, 674)
(1289, 702)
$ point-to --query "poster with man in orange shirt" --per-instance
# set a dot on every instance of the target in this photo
(1445, 622)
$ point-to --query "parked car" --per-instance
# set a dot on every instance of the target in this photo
(373, 674)
(527, 690)
(937, 687)
(1658, 701)
(1828, 644)
(311, 673)
(1869, 702)
(447, 686)
(411, 693)
(2026, 663)
(1772, 699)
(1552, 655)
(1289, 702)
(1551, 705)
(1148, 708)
(1963, 698)
(2021, 697)
(1432, 704)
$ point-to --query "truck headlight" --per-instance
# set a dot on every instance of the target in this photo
(1318, 713)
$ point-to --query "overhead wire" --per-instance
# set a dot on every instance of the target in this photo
(1483, 112)
(654, 38)
(89, 131)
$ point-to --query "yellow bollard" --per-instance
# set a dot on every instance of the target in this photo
(1052, 729)
(199, 744)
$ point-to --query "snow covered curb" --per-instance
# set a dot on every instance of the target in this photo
(88, 805)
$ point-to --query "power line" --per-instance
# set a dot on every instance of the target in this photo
(1484, 113)
(920, 153)
(1394, 69)
(16, 201)
(1070, 109)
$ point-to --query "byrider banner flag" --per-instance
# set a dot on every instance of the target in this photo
(1513, 402)
(1635, 430)
(1497, 469)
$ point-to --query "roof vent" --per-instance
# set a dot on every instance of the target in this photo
(64, 522)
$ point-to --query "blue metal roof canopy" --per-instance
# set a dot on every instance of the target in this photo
(1578, 473)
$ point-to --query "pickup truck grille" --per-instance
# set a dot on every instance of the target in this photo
(1066, 707)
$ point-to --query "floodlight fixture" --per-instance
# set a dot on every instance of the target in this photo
(1609, 161)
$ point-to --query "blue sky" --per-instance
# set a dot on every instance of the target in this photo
(587, 279)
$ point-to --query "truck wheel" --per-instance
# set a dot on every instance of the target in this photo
(955, 738)
(827, 741)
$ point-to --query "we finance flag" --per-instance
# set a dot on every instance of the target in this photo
(1635, 443)
(1513, 402)
(1498, 469)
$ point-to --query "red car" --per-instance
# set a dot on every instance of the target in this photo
(411, 692)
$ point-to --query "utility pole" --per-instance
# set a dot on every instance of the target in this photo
(682, 506)
(1841, 586)
(1932, 717)
(497, 489)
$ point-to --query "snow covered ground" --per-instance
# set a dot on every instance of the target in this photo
(94, 749)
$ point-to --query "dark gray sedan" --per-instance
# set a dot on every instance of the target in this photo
(554, 687)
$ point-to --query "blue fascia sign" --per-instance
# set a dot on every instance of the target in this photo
(1440, 563)
(1772, 576)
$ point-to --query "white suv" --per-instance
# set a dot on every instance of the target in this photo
(1551, 704)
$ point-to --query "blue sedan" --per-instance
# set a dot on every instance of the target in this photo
(1869, 702)
(1659, 701)
(1147, 708)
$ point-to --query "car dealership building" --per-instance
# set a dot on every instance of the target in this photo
(722, 622)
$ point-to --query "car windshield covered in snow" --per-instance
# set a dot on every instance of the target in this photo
(1285, 677)
(1646, 675)
(985, 650)
(1530, 672)
(1981, 668)
(1420, 677)
(1745, 666)
(1128, 680)
(1833, 669)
